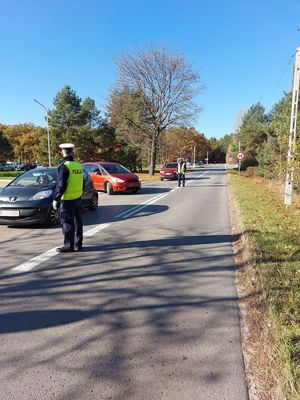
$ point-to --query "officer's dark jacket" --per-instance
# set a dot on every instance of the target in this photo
(62, 178)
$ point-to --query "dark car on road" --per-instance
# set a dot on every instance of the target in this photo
(25, 167)
(28, 198)
(168, 171)
(6, 167)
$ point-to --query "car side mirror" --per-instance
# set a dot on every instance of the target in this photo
(97, 171)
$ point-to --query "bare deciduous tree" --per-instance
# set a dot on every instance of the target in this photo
(167, 87)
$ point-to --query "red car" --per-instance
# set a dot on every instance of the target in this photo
(112, 177)
(168, 171)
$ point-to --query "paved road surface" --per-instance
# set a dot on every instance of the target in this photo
(147, 311)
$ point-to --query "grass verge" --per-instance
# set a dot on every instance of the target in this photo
(144, 176)
(269, 286)
(9, 174)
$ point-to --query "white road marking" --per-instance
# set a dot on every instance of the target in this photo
(36, 261)
(97, 228)
(137, 206)
(141, 207)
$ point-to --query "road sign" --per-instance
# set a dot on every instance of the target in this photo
(240, 156)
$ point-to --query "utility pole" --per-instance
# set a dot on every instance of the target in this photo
(239, 166)
(293, 129)
(194, 163)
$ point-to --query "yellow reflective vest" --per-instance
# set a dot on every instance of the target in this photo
(75, 181)
(181, 168)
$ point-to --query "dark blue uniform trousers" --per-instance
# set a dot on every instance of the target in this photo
(181, 177)
(71, 223)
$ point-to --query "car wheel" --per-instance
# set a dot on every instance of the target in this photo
(52, 217)
(94, 202)
(134, 191)
(161, 179)
(109, 188)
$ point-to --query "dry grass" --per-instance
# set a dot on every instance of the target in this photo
(144, 176)
(256, 335)
(267, 255)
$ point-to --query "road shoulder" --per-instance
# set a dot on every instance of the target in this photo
(256, 344)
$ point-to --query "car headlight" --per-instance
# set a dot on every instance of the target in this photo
(117, 180)
(41, 195)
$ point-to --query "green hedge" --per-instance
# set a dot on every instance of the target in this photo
(248, 162)
(9, 174)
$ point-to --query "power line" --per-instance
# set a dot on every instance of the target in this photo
(281, 78)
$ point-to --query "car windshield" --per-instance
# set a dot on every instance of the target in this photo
(116, 169)
(170, 165)
(36, 177)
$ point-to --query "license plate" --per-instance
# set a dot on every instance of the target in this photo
(9, 213)
(168, 173)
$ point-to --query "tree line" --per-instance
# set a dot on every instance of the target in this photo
(148, 121)
(263, 137)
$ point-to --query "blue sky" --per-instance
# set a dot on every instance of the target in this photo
(242, 49)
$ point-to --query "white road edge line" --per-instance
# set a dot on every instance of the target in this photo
(35, 261)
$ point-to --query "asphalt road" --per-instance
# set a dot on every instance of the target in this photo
(147, 312)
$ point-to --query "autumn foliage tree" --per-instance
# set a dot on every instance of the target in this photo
(24, 140)
(181, 141)
(165, 87)
(5, 146)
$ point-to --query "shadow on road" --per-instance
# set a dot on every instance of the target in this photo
(103, 214)
(106, 263)
(120, 312)
(154, 190)
(126, 315)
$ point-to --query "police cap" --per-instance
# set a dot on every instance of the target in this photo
(67, 146)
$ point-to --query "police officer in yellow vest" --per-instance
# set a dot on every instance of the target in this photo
(67, 197)
(181, 170)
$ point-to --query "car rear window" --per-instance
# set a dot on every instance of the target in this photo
(116, 169)
(170, 165)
